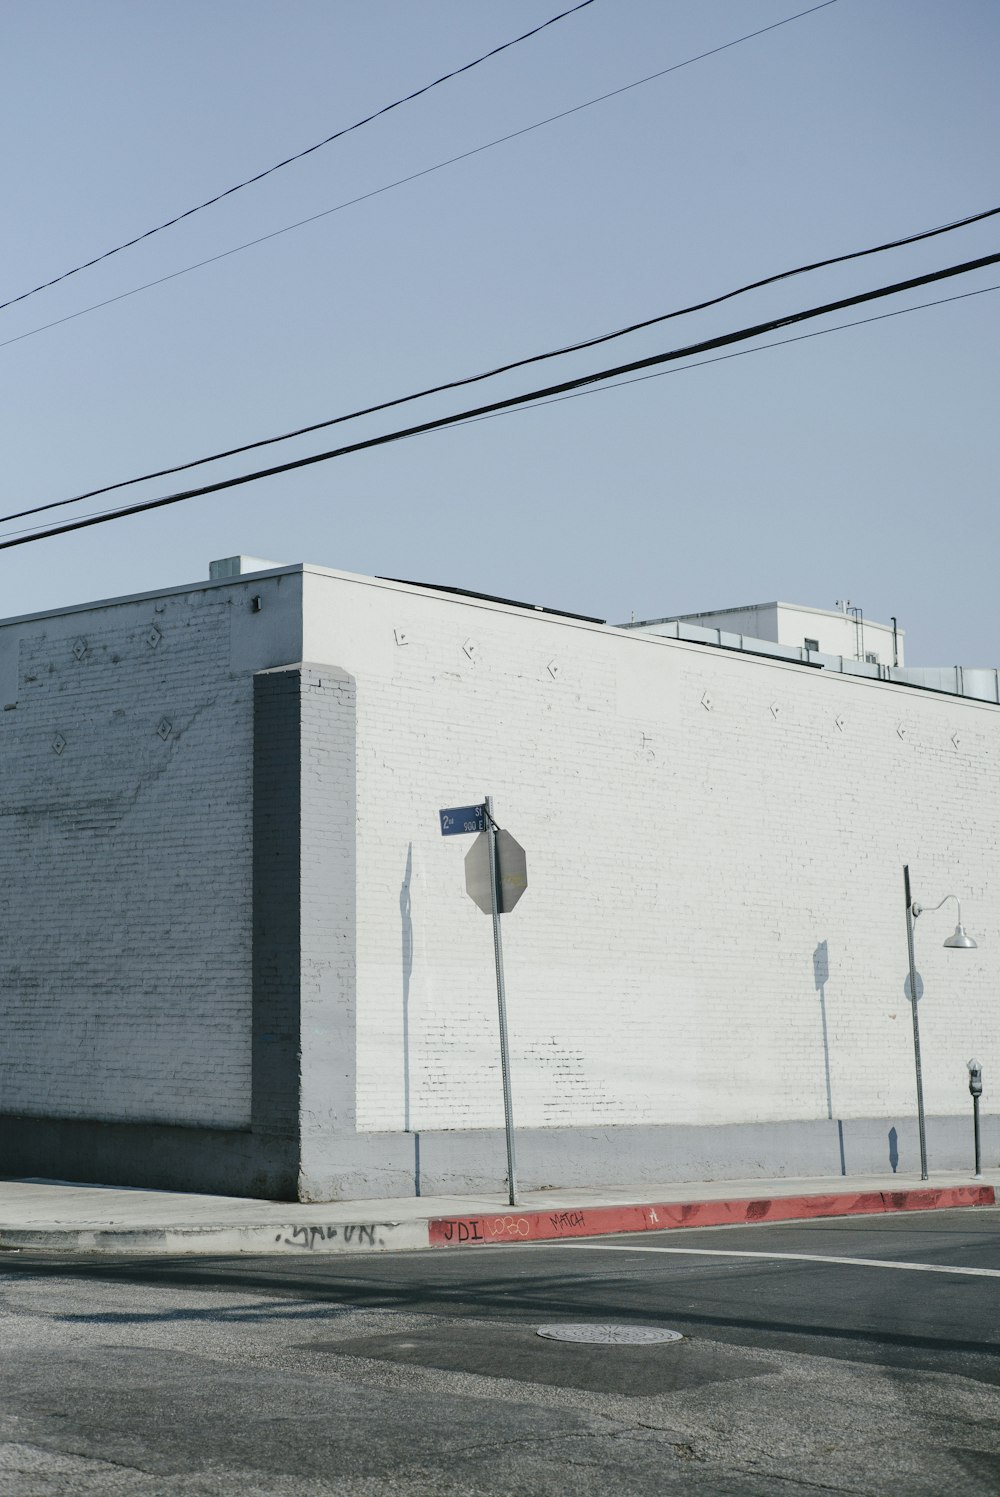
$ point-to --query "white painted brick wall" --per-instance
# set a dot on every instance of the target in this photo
(125, 866)
(697, 824)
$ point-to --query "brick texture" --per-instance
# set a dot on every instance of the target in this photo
(225, 902)
(125, 841)
(714, 926)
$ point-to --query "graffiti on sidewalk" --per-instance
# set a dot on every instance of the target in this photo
(566, 1220)
(352, 1234)
(506, 1228)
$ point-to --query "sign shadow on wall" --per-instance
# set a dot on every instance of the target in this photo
(906, 987)
(821, 976)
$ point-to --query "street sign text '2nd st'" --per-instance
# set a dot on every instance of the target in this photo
(458, 821)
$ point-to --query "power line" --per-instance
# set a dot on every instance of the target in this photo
(426, 171)
(742, 353)
(506, 368)
(259, 176)
(706, 345)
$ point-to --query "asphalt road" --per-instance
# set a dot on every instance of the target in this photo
(424, 1373)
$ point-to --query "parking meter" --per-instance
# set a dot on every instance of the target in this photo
(976, 1088)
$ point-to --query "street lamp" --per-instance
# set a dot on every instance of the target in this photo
(957, 942)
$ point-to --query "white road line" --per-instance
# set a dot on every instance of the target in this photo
(601, 1247)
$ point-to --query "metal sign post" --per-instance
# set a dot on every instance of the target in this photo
(508, 1106)
(496, 876)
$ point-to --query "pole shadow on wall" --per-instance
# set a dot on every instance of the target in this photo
(893, 1135)
(406, 951)
(821, 976)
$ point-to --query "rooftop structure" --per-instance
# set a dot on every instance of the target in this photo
(841, 640)
(842, 631)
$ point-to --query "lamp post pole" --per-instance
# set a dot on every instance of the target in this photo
(916, 1024)
(960, 941)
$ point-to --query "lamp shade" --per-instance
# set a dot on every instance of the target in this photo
(960, 940)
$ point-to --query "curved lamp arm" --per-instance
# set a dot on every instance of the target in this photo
(920, 909)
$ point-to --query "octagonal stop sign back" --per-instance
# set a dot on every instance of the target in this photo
(513, 872)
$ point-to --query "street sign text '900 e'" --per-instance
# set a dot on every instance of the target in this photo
(456, 821)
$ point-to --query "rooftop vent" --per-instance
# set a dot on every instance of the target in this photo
(238, 566)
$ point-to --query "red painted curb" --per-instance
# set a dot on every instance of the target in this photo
(599, 1221)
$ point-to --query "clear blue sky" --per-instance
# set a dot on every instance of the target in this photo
(862, 464)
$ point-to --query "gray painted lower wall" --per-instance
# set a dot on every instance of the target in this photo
(151, 1155)
(378, 1165)
(453, 1162)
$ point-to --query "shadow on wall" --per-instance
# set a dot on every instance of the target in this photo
(821, 976)
(406, 953)
(893, 1135)
(906, 987)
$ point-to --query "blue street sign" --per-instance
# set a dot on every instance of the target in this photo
(457, 820)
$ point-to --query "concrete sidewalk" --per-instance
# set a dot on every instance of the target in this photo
(63, 1216)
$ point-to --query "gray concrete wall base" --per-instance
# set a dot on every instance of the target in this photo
(364, 1167)
(151, 1155)
(349, 1166)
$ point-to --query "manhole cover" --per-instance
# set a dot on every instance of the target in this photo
(610, 1335)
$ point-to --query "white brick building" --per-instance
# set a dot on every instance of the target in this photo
(236, 954)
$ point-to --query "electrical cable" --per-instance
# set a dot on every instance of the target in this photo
(259, 176)
(530, 396)
(741, 353)
(426, 171)
(505, 368)
(639, 379)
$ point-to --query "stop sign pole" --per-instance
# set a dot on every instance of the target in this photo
(496, 876)
(508, 1106)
